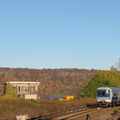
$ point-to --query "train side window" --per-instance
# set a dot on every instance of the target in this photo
(114, 94)
(119, 93)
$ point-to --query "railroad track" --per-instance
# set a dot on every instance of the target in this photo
(75, 114)
(88, 114)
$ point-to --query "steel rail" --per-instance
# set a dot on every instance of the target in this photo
(74, 114)
(85, 114)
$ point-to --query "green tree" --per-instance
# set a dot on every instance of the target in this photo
(101, 79)
(10, 92)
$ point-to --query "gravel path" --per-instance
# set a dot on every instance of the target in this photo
(109, 115)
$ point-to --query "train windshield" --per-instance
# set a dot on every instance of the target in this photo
(103, 93)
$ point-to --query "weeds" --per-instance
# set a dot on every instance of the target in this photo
(34, 108)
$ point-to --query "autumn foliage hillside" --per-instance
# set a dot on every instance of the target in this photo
(52, 81)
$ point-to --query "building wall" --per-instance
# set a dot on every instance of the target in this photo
(1, 89)
(31, 96)
(26, 88)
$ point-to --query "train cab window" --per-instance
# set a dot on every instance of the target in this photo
(98, 93)
(103, 93)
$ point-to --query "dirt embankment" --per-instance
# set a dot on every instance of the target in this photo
(112, 114)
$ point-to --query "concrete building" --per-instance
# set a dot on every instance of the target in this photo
(26, 90)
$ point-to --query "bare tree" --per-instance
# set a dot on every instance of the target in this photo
(117, 66)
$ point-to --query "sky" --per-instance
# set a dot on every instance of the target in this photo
(83, 34)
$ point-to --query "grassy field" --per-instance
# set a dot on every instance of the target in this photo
(34, 108)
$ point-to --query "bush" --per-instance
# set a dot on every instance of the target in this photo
(9, 108)
(10, 92)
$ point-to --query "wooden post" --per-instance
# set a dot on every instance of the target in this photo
(98, 113)
(88, 117)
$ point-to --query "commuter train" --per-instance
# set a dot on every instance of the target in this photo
(108, 96)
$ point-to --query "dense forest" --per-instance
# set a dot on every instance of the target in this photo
(52, 81)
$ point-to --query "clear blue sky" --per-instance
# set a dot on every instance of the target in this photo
(39, 34)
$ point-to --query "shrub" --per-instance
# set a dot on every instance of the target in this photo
(10, 92)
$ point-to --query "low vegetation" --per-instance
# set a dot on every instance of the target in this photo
(34, 108)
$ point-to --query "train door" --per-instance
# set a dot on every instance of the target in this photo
(119, 96)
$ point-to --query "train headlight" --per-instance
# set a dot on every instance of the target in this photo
(108, 98)
(98, 98)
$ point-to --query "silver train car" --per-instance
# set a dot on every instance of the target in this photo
(108, 96)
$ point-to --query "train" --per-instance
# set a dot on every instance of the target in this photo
(108, 96)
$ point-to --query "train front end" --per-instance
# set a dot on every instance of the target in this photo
(103, 96)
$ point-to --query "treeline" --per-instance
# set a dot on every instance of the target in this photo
(52, 81)
(101, 79)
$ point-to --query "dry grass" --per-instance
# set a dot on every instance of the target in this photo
(34, 108)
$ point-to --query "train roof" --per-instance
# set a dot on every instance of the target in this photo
(113, 88)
